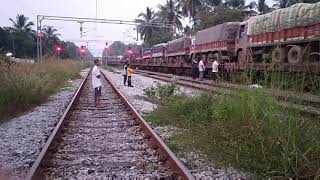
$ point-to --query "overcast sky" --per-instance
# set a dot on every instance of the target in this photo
(97, 33)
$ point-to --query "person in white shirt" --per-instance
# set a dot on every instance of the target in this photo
(125, 74)
(202, 68)
(96, 82)
(215, 69)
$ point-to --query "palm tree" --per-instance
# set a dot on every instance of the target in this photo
(21, 23)
(187, 30)
(170, 13)
(50, 34)
(281, 3)
(261, 7)
(190, 7)
(213, 2)
(241, 5)
(146, 20)
(234, 4)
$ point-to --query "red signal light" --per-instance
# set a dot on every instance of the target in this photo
(59, 49)
(82, 50)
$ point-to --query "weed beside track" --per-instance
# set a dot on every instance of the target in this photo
(251, 132)
(25, 85)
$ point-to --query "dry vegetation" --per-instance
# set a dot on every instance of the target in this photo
(25, 85)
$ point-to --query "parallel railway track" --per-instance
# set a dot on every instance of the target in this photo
(307, 104)
(113, 141)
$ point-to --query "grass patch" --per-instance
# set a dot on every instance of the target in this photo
(250, 132)
(159, 92)
(300, 82)
(25, 85)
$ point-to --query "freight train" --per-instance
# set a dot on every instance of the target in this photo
(284, 40)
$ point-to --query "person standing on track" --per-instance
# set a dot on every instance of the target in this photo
(130, 72)
(125, 74)
(96, 82)
(202, 68)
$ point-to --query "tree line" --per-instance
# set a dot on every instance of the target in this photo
(202, 14)
(21, 40)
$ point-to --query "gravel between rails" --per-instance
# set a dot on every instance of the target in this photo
(198, 164)
(22, 138)
(102, 142)
(140, 83)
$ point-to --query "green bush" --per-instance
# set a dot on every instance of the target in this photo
(25, 85)
(160, 91)
(300, 82)
(250, 132)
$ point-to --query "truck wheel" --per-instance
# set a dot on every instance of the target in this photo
(278, 55)
(295, 54)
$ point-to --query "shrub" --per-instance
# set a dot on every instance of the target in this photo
(161, 91)
(249, 131)
(25, 85)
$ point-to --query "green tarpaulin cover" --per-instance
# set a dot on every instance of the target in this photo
(301, 14)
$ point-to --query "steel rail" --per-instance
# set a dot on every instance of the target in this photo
(166, 155)
(34, 173)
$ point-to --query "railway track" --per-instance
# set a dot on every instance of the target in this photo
(307, 104)
(113, 141)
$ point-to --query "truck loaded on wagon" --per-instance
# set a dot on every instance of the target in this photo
(285, 39)
(158, 52)
(218, 41)
(289, 36)
(178, 50)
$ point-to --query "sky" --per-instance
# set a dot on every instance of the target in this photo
(96, 34)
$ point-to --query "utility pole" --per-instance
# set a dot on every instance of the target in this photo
(81, 29)
(13, 47)
(137, 34)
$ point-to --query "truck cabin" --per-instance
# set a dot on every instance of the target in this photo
(146, 55)
(241, 41)
(158, 52)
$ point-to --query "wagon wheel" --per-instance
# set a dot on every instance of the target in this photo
(295, 54)
(278, 54)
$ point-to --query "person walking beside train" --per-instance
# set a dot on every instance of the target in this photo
(96, 82)
(125, 74)
(202, 68)
(215, 70)
(130, 73)
(194, 67)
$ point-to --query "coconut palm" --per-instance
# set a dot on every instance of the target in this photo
(146, 20)
(281, 3)
(190, 7)
(50, 34)
(261, 7)
(170, 13)
(241, 5)
(213, 2)
(234, 4)
(21, 23)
